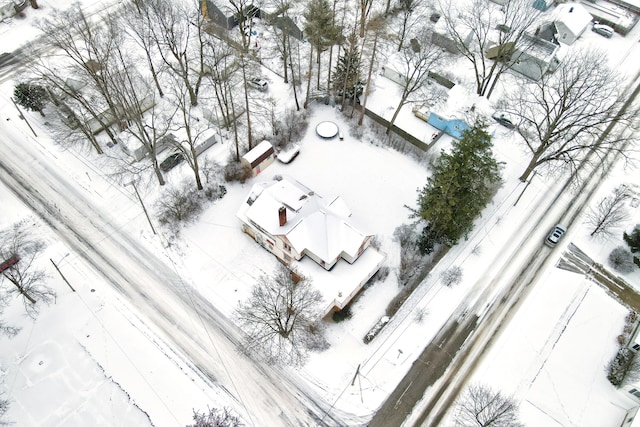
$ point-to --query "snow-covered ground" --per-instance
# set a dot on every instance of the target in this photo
(90, 359)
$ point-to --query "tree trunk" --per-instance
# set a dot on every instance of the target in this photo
(366, 90)
(235, 127)
(306, 101)
(293, 76)
(285, 55)
(196, 168)
(530, 167)
(20, 289)
(395, 114)
(34, 4)
(155, 76)
(246, 102)
(159, 175)
(318, 62)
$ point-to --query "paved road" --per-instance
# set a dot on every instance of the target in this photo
(206, 339)
(431, 365)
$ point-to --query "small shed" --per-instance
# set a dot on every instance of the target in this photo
(259, 157)
(571, 20)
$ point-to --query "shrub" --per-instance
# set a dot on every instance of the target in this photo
(178, 205)
(215, 192)
(339, 316)
(633, 239)
(451, 276)
(621, 259)
(619, 366)
(237, 171)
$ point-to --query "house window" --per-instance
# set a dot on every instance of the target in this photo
(286, 247)
(636, 346)
(287, 258)
(635, 392)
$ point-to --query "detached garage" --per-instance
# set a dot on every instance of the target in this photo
(259, 157)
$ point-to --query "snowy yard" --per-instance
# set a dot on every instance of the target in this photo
(91, 359)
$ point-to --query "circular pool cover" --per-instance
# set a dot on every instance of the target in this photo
(327, 130)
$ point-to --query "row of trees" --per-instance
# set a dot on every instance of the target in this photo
(157, 59)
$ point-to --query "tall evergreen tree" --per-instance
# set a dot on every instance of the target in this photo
(320, 29)
(30, 96)
(347, 82)
(462, 184)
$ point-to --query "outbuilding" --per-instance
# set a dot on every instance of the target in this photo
(571, 20)
(259, 157)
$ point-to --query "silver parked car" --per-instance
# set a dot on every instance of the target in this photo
(603, 30)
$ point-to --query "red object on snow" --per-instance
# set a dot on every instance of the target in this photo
(8, 263)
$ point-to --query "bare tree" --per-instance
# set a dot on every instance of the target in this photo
(178, 31)
(364, 8)
(411, 12)
(89, 46)
(415, 62)
(139, 27)
(25, 279)
(609, 213)
(375, 26)
(563, 116)
(193, 129)
(142, 119)
(279, 318)
(472, 28)
(480, 406)
(451, 276)
(215, 418)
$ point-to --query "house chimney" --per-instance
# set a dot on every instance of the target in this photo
(282, 215)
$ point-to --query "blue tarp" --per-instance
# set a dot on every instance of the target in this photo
(453, 127)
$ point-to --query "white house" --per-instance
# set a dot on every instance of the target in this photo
(297, 224)
(571, 20)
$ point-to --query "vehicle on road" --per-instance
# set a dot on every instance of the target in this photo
(555, 236)
(171, 161)
(504, 120)
(260, 84)
(603, 30)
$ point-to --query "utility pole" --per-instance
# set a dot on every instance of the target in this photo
(62, 275)
(143, 207)
(525, 187)
(22, 116)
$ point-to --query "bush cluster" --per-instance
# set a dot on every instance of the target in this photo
(182, 204)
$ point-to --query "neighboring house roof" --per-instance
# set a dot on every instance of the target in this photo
(574, 16)
(322, 227)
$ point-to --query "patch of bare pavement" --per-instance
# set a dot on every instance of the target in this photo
(425, 371)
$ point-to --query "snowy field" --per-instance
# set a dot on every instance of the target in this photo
(90, 358)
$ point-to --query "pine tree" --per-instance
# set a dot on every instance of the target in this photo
(633, 239)
(30, 96)
(320, 29)
(347, 81)
(462, 184)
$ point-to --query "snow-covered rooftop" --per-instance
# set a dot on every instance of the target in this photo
(313, 224)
